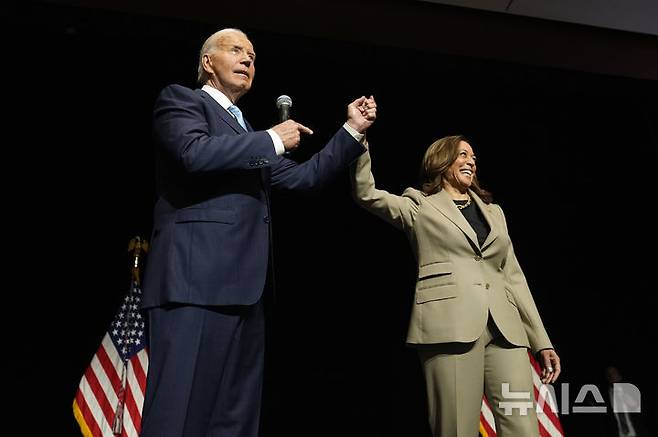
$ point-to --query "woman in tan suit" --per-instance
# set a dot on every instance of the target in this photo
(474, 316)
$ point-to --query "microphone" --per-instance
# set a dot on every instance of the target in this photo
(284, 103)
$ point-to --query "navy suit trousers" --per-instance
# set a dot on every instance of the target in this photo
(212, 361)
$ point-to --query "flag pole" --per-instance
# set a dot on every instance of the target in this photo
(136, 246)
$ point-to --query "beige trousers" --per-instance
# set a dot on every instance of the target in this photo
(456, 374)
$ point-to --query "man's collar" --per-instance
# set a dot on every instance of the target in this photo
(219, 96)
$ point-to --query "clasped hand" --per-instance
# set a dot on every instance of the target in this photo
(361, 113)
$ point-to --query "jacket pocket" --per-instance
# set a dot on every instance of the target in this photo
(206, 215)
(435, 275)
(435, 293)
(434, 269)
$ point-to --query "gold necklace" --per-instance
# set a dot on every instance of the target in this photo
(468, 202)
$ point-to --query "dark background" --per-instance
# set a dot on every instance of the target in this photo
(567, 144)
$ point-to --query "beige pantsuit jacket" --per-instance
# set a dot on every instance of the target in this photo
(458, 281)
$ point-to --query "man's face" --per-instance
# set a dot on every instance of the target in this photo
(232, 65)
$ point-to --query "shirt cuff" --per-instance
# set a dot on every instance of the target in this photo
(357, 136)
(278, 144)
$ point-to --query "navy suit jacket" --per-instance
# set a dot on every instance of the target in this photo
(211, 223)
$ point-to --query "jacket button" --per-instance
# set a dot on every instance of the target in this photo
(477, 258)
(266, 219)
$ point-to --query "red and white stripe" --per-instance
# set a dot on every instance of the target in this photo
(97, 396)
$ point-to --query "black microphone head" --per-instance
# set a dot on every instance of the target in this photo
(283, 100)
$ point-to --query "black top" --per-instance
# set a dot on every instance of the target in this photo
(474, 217)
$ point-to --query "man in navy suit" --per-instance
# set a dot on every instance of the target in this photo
(210, 250)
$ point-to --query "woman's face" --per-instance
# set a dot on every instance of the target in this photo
(461, 172)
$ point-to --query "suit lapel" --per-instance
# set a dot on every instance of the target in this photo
(444, 204)
(230, 120)
(224, 115)
(489, 216)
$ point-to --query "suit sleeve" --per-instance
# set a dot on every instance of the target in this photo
(180, 127)
(400, 211)
(334, 158)
(518, 285)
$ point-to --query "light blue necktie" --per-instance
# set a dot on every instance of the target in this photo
(238, 115)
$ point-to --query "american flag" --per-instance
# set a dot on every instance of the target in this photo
(549, 422)
(110, 396)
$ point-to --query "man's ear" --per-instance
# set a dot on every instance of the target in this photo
(206, 62)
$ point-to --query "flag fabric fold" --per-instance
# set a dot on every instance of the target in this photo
(547, 415)
(109, 399)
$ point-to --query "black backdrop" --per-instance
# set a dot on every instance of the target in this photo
(570, 156)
